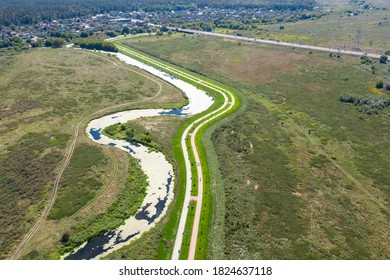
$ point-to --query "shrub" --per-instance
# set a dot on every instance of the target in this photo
(112, 129)
(367, 104)
(58, 42)
(34, 44)
(48, 43)
(383, 59)
(318, 161)
(110, 33)
(379, 84)
(365, 60)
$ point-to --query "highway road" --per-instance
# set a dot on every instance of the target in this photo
(277, 43)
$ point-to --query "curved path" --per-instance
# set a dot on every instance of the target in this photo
(229, 103)
(64, 165)
(227, 106)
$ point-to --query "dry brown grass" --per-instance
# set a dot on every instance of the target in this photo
(51, 231)
(259, 67)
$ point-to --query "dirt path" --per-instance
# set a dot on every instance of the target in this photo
(68, 157)
(226, 107)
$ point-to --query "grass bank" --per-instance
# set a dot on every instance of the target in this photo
(212, 89)
(285, 159)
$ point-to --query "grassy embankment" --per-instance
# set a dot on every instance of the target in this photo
(171, 227)
(45, 92)
(304, 175)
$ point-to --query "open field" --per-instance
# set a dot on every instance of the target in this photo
(304, 175)
(335, 30)
(346, 3)
(44, 93)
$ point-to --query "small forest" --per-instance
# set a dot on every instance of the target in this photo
(16, 12)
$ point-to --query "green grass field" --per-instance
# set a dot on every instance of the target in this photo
(303, 175)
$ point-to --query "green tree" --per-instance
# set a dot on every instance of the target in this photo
(110, 33)
(58, 42)
(84, 34)
(48, 43)
(34, 44)
(383, 59)
(125, 30)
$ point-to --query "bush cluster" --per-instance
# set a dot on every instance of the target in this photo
(365, 60)
(15, 43)
(131, 134)
(97, 44)
(367, 104)
(55, 43)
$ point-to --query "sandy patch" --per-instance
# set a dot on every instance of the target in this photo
(297, 194)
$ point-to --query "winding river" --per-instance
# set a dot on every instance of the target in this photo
(154, 164)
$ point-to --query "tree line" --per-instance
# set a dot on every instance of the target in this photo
(16, 12)
(96, 44)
